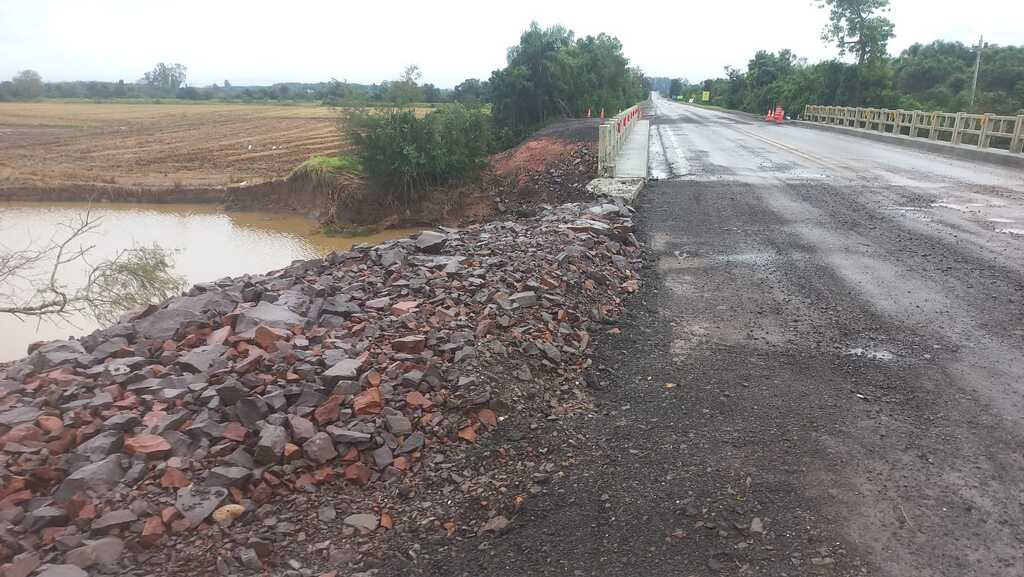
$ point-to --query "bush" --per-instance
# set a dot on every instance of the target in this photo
(406, 155)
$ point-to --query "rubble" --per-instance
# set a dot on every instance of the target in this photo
(362, 371)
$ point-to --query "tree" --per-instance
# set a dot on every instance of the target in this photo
(470, 91)
(165, 78)
(856, 28)
(405, 90)
(135, 277)
(27, 85)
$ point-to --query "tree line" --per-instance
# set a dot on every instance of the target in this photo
(933, 76)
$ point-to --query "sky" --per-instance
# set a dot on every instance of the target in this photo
(262, 42)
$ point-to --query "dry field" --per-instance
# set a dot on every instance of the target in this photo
(60, 144)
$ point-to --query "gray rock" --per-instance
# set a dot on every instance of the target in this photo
(345, 370)
(382, 457)
(413, 442)
(431, 242)
(105, 552)
(164, 323)
(347, 436)
(19, 415)
(340, 305)
(271, 444)
(319, 448)
(99, 478)
(251, 411)
(23, 565)
(197, 503)
(61, 571)
(302, 428)
(218, 302)
(102, 445)
(231, 392)
(265, 313)
(56, 354)
(123, 422)
(524, 299)
(250, 559)
(326, 513)
(367, 521)
(240, 457)
(228, 477)
(117, 518)
(44, 517)
(198, 360)
(398, 424)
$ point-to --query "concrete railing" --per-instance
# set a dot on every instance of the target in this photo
(980, 130)
(611, 135)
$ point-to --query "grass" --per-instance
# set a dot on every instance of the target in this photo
(324, 168)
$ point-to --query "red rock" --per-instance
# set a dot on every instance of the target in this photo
(15, 498)
(351, 456)
(468, 434)
(168, 514)
(404, 307)
(291, 452)
(267, 337)
(386, 521)
(218, 336)
(358, 473)
(488, 418)
(11, 485)
(411, 345)
(152, 446)
(153, 531)
(368, 402)
(329, 411)
(417, 400)
(174, 478)
(235, 432)
(21, 433)
(52, 425)
(153, 418)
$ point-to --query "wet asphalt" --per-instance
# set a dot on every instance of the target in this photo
(823, 373)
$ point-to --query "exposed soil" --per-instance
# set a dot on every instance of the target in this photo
(57, 146)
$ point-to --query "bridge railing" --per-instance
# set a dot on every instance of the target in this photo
(612, 135)
(961, 128)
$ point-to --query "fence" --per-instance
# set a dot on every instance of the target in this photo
(611, 134)
(981, 130)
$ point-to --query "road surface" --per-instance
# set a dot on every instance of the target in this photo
(824, 374)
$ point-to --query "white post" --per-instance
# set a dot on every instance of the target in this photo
(1017, 144)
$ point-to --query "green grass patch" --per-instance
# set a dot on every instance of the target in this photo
(350, 230)
(323, 168)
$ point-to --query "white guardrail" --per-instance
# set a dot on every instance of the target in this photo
(953, 127)
(611, 135)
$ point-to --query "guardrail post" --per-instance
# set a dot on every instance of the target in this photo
(933, 133)
(983, 137)
(957, 127)
(1017, 143)
(913, 124)
(897, 123)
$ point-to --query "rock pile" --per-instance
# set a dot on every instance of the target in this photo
(346, 371)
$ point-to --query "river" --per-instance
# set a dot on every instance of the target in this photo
(208, 244)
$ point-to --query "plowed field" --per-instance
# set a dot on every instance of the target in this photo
(58, 144)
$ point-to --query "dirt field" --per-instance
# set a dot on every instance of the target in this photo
(60, 145)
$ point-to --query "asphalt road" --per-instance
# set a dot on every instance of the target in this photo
(823, 375)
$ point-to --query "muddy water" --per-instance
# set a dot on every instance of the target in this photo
(208, 244)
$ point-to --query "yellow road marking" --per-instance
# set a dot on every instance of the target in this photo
(787, 148)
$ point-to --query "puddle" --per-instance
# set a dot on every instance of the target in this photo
(1002, 220)
(904, 208)
(881, 355)
(1013, 231)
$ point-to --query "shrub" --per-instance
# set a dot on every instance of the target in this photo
(406, 155)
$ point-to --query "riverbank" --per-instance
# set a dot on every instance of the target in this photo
(336, 396)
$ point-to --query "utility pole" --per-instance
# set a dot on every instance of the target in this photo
(977, 67)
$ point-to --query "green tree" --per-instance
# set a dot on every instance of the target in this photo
(857, 27)
(406, 89)
(165, 78)
(27, 85)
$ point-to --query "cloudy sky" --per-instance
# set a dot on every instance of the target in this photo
(261, 42)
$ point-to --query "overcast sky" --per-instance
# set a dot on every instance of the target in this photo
(262, 42)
